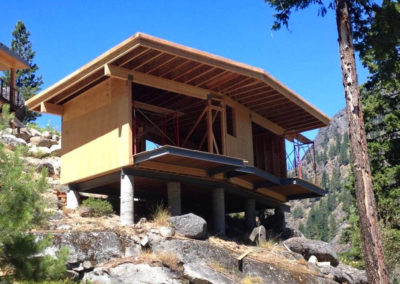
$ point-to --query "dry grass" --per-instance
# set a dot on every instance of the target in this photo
(217, 267)
(169, 259)
(165, 258)
(252, 280)
(161, 215)
(269, 244)
(147, 256)
(301, 261)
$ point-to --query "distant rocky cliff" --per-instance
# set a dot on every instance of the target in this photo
(326, 217)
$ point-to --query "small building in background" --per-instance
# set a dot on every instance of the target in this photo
(9, 94)
(150, 120)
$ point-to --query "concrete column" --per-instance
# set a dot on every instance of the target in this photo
(72, 197)
(250, 213)
(279, 220)
(174, 198)
(218, 200)
(127, 200)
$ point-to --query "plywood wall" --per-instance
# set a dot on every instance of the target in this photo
(240, 145)
(96, 131)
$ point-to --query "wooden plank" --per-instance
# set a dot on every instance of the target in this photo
(243, 255)
(93, 195)
(154, 81)
(51, 108)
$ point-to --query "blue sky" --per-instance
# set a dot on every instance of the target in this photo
(68, 34)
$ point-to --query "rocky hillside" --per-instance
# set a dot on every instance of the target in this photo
(325, 218)
(166, 250)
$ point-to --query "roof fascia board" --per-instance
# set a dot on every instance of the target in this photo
(83, 72)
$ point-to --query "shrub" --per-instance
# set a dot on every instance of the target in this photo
(100, 207)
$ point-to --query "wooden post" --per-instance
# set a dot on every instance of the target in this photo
(209, 127)
(223, 128)
(12, 87)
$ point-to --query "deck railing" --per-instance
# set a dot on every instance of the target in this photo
(5, 95)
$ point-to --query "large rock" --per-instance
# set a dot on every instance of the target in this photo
(345, 274)
(55, 150)
(42, 141)
(129, 273)
(259, 234)
(190, 225)
(198, 273)
(11, 141)
(23, 133)
(94, 246)
(322, 250)
(52, 164)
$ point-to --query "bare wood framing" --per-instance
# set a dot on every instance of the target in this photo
(51, 108)
(154, 81)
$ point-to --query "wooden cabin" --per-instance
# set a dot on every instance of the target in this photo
(10, 61)
(151, 119)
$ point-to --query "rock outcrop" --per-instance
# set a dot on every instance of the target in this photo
(321, 250)
(190, 226)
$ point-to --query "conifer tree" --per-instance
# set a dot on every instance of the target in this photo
(22, 209)
(27, 81)
(351, 15)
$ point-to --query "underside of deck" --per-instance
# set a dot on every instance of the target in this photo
(199, 172)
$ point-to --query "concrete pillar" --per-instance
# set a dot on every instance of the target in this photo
(218, 200)
(250, 213)
(174, 198)
(127, 200)
(72, 197)
(279, 220)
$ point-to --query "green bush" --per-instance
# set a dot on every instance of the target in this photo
(100, 207)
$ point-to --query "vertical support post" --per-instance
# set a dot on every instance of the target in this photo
(223, 128)
(164, 130)
(177, 140)
(127, 199)
(250, 213)
(218, 199)
(174, 198)
(279, 220)
(72, 197)
(134, 129)
(314, 165)
(12, 87)
(209, 127)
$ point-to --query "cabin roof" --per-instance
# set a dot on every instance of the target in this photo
(9, 59)
(147, 55)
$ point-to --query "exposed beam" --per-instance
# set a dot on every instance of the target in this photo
(156, 109)
(154, 81)
(51, 108)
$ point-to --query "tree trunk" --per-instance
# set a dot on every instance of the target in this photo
(370, 235)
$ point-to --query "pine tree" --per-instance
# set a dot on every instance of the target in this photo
(22, 209)
(354, 23)
(27, 81)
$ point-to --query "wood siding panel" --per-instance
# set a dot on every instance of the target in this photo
(240, 146)
(96, 131)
